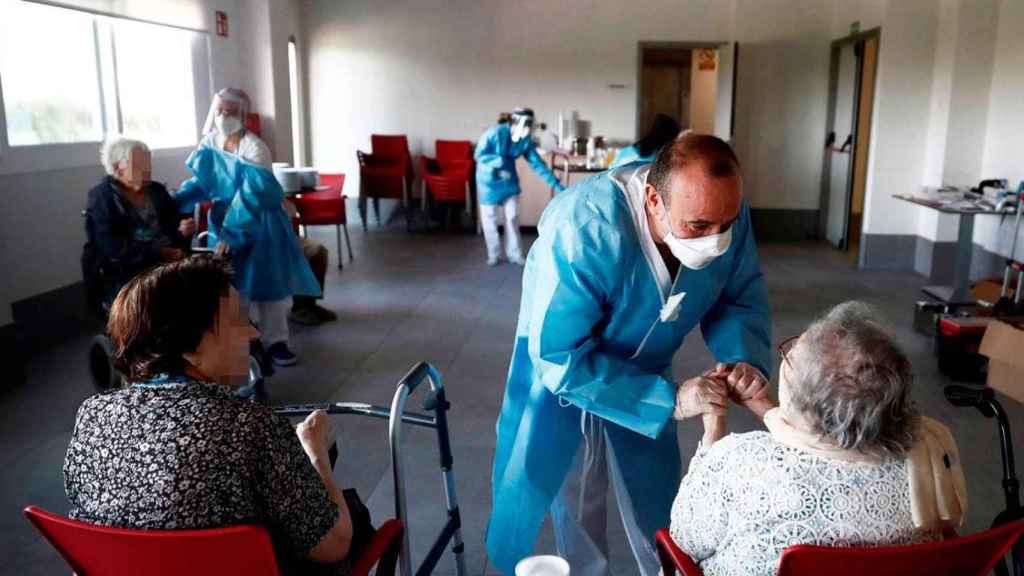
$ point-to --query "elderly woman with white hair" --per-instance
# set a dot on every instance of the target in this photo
(846, 461)
(131, 222)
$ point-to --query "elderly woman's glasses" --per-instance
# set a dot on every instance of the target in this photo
(785, 346)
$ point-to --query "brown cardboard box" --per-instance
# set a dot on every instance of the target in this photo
(1004, 345)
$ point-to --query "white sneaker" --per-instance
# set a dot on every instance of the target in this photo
(492, 261)
(518, 261)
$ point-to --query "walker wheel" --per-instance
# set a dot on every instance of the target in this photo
(101, 364)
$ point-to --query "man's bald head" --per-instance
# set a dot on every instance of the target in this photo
(709, 154)
(694, 187)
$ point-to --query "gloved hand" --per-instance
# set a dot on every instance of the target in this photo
(701, 395)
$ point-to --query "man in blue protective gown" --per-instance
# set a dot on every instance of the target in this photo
(497, 182)
(626, 265)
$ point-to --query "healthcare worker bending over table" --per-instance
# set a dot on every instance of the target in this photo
(497, 182)
(247, 220)
(628, 262)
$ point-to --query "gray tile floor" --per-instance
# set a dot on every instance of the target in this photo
(430, 297)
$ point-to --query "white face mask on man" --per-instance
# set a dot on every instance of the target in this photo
(697, 253)
(227, 125)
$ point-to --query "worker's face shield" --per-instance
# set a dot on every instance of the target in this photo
(522, 127)
(228, 112)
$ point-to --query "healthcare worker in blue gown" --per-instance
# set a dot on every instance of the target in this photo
(497, 182)
(663, 130)
(247, 221)
(627, 263)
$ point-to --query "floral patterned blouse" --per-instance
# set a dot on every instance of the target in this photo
(186, 455)
(748, 497)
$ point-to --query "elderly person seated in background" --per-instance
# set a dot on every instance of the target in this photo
(131, 222)
(174, 449)
(846, 460)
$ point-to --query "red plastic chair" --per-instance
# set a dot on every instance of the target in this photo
(453, 151)
(973, 555)
(448, 178)
(326, 208)
(253, 124)
(385, 173)
(92, 550)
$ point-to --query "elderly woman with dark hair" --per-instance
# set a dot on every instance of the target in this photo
(175, 449)
(846, 460)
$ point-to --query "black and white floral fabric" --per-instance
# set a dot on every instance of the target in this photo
(748, 497)
(190, 455)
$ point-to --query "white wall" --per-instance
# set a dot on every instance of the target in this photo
(900, 126)
(1004, 142)
(41, 228)
(703, 95)
(439, 69)
(782, 100)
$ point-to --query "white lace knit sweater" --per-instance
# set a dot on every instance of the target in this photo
(748, 497)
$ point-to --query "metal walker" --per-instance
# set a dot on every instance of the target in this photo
(437, 403)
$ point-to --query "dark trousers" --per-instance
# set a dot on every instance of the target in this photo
(316, 255)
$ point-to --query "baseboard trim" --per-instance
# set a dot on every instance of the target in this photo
(51, 318)
(12, 357)
(933, 260)
(784, 225)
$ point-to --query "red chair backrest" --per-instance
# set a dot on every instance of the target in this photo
(388, 146)
(672, 558)
(100, 550)
(335, 181)
(253, 124)
(453, 150)
(973, 555)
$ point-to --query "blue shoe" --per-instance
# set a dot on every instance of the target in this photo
(280, 355)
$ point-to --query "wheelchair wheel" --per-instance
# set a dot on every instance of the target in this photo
(101, 364)
(253, 390)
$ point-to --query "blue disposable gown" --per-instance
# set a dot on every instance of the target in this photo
(496, 152)
(590, 338)
(631, 154)
(247, 216)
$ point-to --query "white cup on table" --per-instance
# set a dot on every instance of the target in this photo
(542, 566)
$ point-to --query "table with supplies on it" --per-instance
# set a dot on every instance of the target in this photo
(966, 205)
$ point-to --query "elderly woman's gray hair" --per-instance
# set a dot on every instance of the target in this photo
(851, 382)
(118, 150)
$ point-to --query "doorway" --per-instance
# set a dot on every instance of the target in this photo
(691, 82)
(848, 139)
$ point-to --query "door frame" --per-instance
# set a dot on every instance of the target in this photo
(658, 45)
(833, 82)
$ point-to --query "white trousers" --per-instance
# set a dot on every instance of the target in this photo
(580, 511)
(489, 222)
(272, 319)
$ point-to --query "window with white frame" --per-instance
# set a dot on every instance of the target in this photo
(69, 76)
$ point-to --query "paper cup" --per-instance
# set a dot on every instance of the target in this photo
(542, 566)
